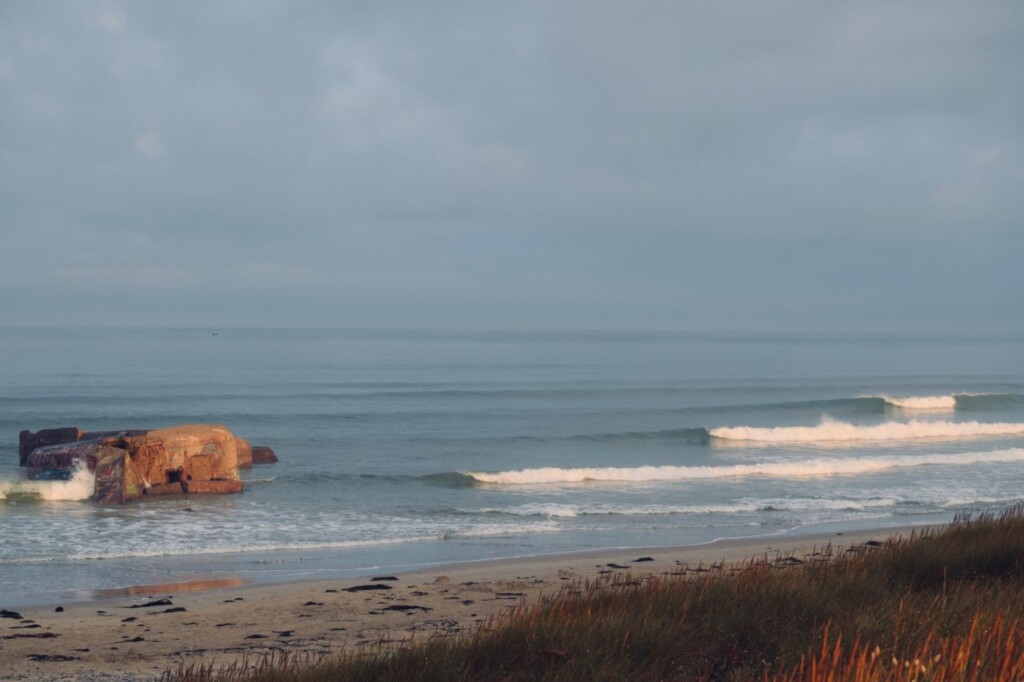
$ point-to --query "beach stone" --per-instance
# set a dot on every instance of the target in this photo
(367, 588)
(149, 604)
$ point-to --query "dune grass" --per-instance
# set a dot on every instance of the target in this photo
(942, 604)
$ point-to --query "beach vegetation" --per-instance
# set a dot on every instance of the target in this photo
(940, 604)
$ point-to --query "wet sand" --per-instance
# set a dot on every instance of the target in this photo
(138, 633)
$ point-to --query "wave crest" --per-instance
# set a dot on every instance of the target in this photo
(922, 402)
(834, 430)
(807, 467)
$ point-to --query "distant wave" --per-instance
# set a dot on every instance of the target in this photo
(807, 467)
(834, 430)
(947, 402)
(79, 487)
(922, 402)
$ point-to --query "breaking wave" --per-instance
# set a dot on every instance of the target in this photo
(78, 487)
(922, 402)
(834, 430)
(807, 467)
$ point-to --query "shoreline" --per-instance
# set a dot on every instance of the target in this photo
(221, 578)
(141, 631)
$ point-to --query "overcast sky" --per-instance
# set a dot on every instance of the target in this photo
(727, 165)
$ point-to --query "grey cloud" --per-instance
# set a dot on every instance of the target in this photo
(682, 165)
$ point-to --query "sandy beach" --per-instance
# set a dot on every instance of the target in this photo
(137, 633)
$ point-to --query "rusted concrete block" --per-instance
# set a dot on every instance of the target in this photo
(28, 441)
(243, 452)
(194, 458)
(59, 462)
(263, 455)
(212, 487)
(173, 448)
(117, 481)
(200, 468)
(166, 489)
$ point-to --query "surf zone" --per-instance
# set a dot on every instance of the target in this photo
(794, 469)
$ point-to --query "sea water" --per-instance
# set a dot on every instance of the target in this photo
(402, 449)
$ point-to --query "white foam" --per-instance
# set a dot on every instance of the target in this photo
(834, 430)
(182, 547)
(746, 506)
(922, 402)
(79, 487)
(795, 469)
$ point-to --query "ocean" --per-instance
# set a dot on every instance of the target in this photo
(405, 449)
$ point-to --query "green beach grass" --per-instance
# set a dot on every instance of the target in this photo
(941, 604)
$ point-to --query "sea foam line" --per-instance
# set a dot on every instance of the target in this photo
(807, 467)
(255, 548)
(834, 430)
(551, 510)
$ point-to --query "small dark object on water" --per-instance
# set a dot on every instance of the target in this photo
(284, 633)
(4, 613)
(616, 566)
(188, 509)
(367, 588)
(158, 602)
(872, 543)
(59, 609)
(642, 559)
(383, 577)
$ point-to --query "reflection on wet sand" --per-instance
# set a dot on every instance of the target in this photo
(188, 586)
